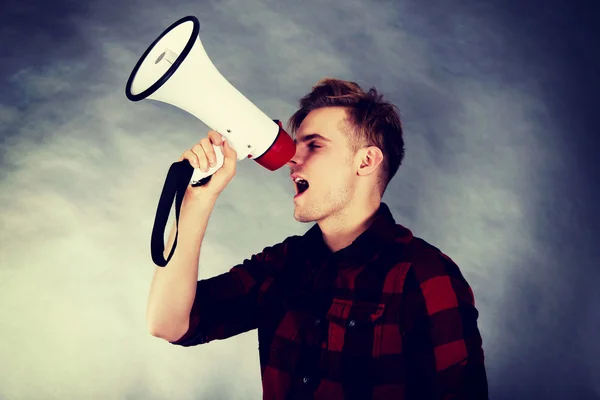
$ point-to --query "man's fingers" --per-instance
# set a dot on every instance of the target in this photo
(209, 150)
(215, 137)
(202, 155)
(191, 157)
(198, 150)
(205, 151)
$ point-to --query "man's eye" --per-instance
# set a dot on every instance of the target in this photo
(313, 146)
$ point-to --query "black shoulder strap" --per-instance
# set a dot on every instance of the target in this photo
(176, 183)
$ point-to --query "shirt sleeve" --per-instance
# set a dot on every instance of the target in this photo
(443, 345)
(226, 305)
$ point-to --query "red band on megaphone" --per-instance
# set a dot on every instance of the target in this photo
(280, 153)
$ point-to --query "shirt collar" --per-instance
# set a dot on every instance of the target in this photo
(382, 231)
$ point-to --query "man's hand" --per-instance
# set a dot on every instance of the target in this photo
(202, 155)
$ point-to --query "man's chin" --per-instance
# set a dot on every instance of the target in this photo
(302, 217)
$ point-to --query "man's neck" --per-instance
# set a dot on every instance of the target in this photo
(339, 231)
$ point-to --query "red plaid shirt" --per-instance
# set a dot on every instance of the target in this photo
(388, 317)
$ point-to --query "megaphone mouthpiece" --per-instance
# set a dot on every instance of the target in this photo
(168, 56)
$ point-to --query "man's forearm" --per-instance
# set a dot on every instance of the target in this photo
(173, 287)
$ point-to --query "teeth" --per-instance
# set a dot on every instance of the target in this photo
(298, 180)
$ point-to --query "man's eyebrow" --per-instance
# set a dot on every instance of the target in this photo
(310, 137)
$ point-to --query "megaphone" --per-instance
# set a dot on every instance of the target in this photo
(176, 70)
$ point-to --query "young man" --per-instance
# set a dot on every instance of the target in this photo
(358, 307)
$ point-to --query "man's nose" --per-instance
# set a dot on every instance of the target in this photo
(294, 160)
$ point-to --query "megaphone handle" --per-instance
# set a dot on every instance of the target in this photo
(198, 176)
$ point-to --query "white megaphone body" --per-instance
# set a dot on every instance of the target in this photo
(175, 69)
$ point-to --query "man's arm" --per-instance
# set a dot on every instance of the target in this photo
(173, 287)
(227, 305)
(443, 344)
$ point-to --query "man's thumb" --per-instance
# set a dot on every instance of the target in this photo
(228, 152)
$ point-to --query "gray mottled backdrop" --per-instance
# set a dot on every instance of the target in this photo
(500, 173)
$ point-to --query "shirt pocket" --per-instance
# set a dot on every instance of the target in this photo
(356, 327)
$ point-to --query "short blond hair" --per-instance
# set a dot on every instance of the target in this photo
(372, 120)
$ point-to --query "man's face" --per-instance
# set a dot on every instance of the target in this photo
(324, 159)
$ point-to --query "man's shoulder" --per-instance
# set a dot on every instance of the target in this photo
(419, 249)
(433, 275)
(413, 248)
(270, 259)
(280, 250)
(427, 260)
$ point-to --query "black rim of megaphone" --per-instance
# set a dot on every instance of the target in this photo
(163, 79)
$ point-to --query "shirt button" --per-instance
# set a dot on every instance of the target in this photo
(317, 321)
(351, 323)
(306, 379)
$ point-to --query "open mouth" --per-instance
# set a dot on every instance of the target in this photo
(301, 186)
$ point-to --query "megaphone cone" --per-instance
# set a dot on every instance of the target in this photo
(175, 69)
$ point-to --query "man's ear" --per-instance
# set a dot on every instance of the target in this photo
(369, 160)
